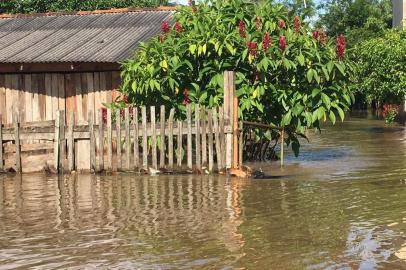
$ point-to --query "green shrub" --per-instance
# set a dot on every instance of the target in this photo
(285, 75)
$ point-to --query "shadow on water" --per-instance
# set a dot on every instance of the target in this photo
(338, 206)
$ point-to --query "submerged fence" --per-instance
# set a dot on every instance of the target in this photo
(136, 139)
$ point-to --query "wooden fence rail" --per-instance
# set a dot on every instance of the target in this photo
(126, 140)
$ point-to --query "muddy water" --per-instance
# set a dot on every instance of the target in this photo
(341, 205)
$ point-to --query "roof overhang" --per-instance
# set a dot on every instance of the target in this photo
(58, 67)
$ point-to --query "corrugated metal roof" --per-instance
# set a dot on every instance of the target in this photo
(94, 37)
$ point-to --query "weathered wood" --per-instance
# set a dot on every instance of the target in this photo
(28, 98)
(90, 119)
(109, 142)
(127, 139)
(197, 138)
(17, 141)
(217, 139)
(210, 134)
(71, 142)
(144, 139)
(222, 138)
(282, 145)
(170, 138)
(241, 144)
(204, 136)
(235, 151)
(153, 139)
(48, 98)
(101, 141)
(180, 141)
(56, 141)
(11, 148)
(62, 143)
(229, 94)
(136, 134)
(162, 137)
(118, 140)
(189, 136)
(1, 143)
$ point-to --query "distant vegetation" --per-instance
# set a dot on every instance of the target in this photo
(35, 6)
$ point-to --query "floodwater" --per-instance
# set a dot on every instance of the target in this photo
(340, 205)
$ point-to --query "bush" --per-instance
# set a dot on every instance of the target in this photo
(381, 67)
(285, 75)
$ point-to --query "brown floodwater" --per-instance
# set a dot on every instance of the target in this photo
(340, 205)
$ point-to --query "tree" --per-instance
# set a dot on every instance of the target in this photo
(286, 76)
(30, 6)
(381, 69)
(358, 19)
(305, 8)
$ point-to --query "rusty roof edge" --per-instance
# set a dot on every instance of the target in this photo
(90, 12)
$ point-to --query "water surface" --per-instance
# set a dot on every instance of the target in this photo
(340, 205)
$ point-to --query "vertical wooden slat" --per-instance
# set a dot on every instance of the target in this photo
(170, 138)
(204, 136)
(1, 143)
(127, 139)
(90, 119)
(282, 146)
(189, 136)
(78, 97)
(241, 144)
(229, 93)
(21, 98)
(136, 135)
(48, 97)
(153, 139)
(144, 139)
(57, 149)
(90, 93)
(28, 98)
(180, 141)
(217, 139)
(235, 147)
(41, 96)
(210, 134)
(222, 138)
(109, 142)
(62, 92)
(62, 142)
(71, 142)
(118, 139)
(197, 138)
(101, 140)
(13, 94)
(97, 96)
(54, 93)
(84, 87)
(162, 137)
(69, 85)
(3, 108)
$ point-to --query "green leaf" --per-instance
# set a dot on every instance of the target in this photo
(192, 48)
(309, 75)
(301, 59)
(340, 68)
(286, 118)
(332, 117)
(326, 100)
(315, 92)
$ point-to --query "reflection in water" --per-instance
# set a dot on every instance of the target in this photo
(342, 208)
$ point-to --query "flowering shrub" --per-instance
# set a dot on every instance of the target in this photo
(285, 76)
(389, 112)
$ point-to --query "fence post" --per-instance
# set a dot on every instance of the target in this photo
(92, 141)
(56, 141)
(282, 145)
(61, 140)
(235, 133)
(1, 144)
(16, 121)
(71, 142)
(229, 93)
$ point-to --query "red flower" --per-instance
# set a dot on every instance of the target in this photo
(252, 48)
(266, 41)
(258, 23)
(241, 29)
(282, 43)
(320, 36)
(186, 98)
(178, 27)
(340, 46)
(296, 24)
(316, 35)
(165, 27)
(281, 24)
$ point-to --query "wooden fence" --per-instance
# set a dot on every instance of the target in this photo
(126, 140)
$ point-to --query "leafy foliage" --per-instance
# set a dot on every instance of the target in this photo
(285, 78)
(30, 6)
(358, 19)
(381, 69)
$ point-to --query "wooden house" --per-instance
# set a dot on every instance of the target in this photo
(68, 61)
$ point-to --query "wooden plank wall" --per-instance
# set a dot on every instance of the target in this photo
(38, 96)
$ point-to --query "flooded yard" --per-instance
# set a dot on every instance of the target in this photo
(340, 205)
